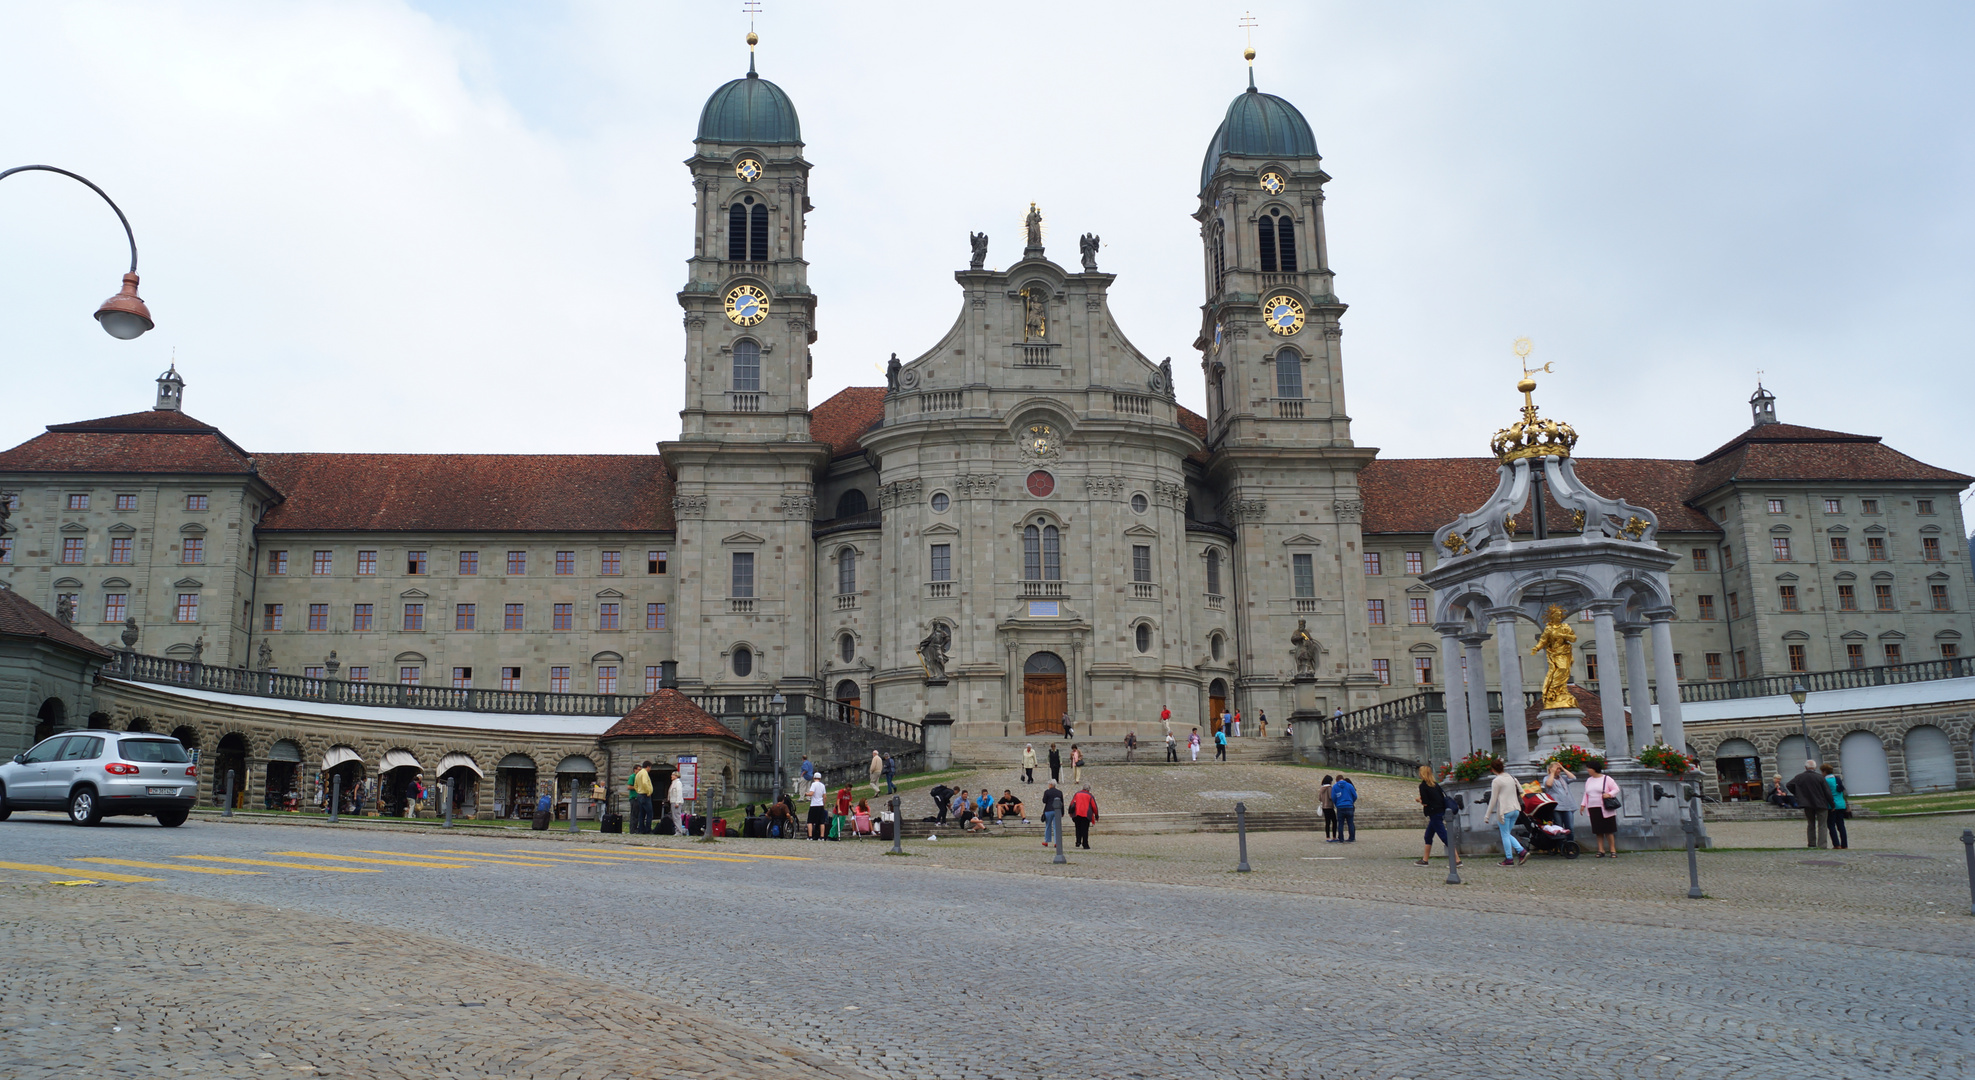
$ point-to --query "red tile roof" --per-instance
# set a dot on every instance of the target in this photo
(160, 441)
(669, 713)
(21, 618)
(848, 413)
(469, 493)
(1789, 452)
(1418, 495)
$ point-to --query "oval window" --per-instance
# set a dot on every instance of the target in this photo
(940, 502)
(1144, 638)
(847, 648)
(743, 661)
(1138, 503)
(1214, 645)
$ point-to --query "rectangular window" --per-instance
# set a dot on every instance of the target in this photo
(366, 563)
(846, 572)
(1841, 550)
(1949, 650)
(1289, 375)
(1868, 506)
(1923, 506)
(1855, 654)
(563, 617)
(318, 616)
(312, 673)
(1590, 667)
(79, 502)
(126, 502)
(742, 581)
(469, 563)
(1416, 610)
(654, 616)
(1786, 595)
(120, 549)
(414, 616)
(1779, 546)
(1714, 665)
(558, 680)
(654, 562)
(322, 563)
(606, 678)
(358, 674)
(277, 563)
(1141, 562)
(1940, 597)
(517, 563)
(463, 616)
(1847, 598)
(362, 617)
(1375, 612)
(1734, 605)
(1304, 574)
(1383, 669)
(1373, 564)
(512, 619)
(1882, 595)
(611, 563)
(1415, 562)
(72, 549)
(1741, 663)
(1930, 548)
(1422, 671)
(654, 677)
(194, 550)
(6, 550)
(565, 563)
(1727, 557)
(1798, 661)
(410, 675)
(270, 616)
(462, 678)
(1707, 607)
(1893, 654)
(1776, 506)
(1875, 548)
(1700, 558)
(607, 617)
(195, 502)
(115, 606)
(1679, 668)
(510, 678)
(415, 563)
(942, 562)
(1834, 506)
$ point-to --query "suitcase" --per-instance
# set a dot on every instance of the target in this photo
(542, 821)
(755, 828)
(884, 830)
(696, 824)
(719, 826)
(835, 831)
(613, 823)
(664, 826)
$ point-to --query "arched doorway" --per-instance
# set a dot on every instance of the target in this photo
(514, 786)
(1217, 703)
(849, 696)
(1738, 770)
(1929, 759)
(1045, 694)
(284, 768)
(573, 780)
(394, 778)
(52, 717)
(139, 723)
(1791, 754)
(1863, 757)
(344, 762)
(100, 722)
(231, 755)
(465, 774)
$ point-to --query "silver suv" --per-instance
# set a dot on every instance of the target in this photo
(99, 774)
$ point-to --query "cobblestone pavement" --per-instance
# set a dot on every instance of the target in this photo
(1147, 957)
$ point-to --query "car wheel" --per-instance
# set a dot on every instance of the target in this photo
(171, 819)
(5, 810)
(83, 807)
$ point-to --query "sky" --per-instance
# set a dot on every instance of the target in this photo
(460, 227)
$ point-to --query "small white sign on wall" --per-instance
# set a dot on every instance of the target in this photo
(1043, 609)
(689, 775)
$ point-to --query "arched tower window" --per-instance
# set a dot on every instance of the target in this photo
(757, 242)
(1267, 236)
(1220, 256)
(1286, 244)
(1213, 571)
(1042, 553)
(747, 231)
(747, 365)
(737, 233)
(1144, 638)
(1052, 554)
(1032, 553)
(1276, 234)
(846, 571)
(1289, 374)
(851, 503)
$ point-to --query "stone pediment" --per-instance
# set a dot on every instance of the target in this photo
(1786, 577)
(1852, 635)
(1892, 635)
(1417, 588)
(939, 529)
(113, 583)
(609, 594)
(74, 527)
(188, 583)
(1302, 540)
(192, 528)
(1877, 529)
(1779, 529)
(123, 528)
(743, 537)
(67, 583)
(413, 594)
(1838, 529)
(1142, 530)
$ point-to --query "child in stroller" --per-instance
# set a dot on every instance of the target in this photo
(1538, 830)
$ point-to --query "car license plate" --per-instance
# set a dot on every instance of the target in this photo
(160, 791)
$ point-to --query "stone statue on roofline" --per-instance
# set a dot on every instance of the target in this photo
(891, 375)
(979, 241)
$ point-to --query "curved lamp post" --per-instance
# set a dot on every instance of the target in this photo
(124, 315)
(1798, 693)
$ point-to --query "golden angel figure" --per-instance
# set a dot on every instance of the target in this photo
(1560, 642)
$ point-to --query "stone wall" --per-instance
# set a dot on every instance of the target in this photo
(1891, 726)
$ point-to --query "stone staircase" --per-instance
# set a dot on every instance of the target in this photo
(997, 752)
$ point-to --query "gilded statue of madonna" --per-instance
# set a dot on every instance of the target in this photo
(1560, 642)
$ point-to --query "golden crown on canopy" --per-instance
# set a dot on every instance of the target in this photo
(1532, 436)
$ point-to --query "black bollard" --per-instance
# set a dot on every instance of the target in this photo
(449, 802)
(229, 794)
(1059, 839)
(897, 828)
(335, 797)
(1455, 805)
(1241, 830)
(1692, 827)
(1968, 845)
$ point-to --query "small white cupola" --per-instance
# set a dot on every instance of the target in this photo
(171, 391)
(1762, 403)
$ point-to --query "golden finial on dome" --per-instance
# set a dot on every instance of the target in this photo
(1531, 436)
(752, 39)
(751, 8)
(1248, 25)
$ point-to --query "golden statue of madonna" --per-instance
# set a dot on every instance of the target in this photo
(1559, 641)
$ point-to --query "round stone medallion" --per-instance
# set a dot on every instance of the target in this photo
(1041, 483)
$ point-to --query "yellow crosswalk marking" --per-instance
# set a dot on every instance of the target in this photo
(584, 859)
(163, 866)
(372, 862)
(58, 871)
(661, 855)
(711, 856)
(285, 865)
(493, 860)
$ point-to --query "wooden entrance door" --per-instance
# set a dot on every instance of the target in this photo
(1215, 707)
(1045, 697)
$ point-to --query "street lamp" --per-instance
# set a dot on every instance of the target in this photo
(778, 705)
(1798, 693)
(124, 315)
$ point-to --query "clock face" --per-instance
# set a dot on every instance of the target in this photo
(747, 305)
(748, 169)
(1283, 314)
(1041, 483)
(1272, 183)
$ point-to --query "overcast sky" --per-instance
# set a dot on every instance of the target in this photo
(460, 226)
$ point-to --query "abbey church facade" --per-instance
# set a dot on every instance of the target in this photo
(1028, 485)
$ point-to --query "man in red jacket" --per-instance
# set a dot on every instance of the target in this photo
(1083, 810)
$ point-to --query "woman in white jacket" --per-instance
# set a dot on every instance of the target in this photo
(1504, 806)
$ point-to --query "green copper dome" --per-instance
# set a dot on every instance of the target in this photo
(750, 110)
(1259, 125)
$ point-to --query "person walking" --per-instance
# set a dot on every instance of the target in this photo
(1131, 746)
(1330, 811)
(1556, 784)
(1262, 721)
(641, 799)
(1172, 748)
(1237, 724)
(1504, 806)
(675, 802)
(1344, 796)
(1433, 803)
(1083, 811)
(1193, 744)
(1221, 744)
(1076, 763)
(1055, 764)
(1840, 836)
(1598, 788)
(1028, 763)
(877, 770)
(1052, 813)
(819, 814)
(1068, 731)
(891, 775)
(1815, 798)
(808, 770)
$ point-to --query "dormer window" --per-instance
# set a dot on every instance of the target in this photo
(1277, 237)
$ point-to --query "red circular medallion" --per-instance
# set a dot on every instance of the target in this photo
(1041, 483)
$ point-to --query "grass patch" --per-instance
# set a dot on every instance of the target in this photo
(1917, 804)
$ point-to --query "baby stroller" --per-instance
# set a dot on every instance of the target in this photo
(1538, 829)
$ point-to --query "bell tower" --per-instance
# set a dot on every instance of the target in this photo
(744, 464)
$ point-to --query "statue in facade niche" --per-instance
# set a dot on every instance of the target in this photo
(1035, 314)
(891, 375)
(1303, 648)
(979, 242)
(65, 609)
(933, 652)
(1088, 245)
(130, 632)
(1560, 642)
(267, 655)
